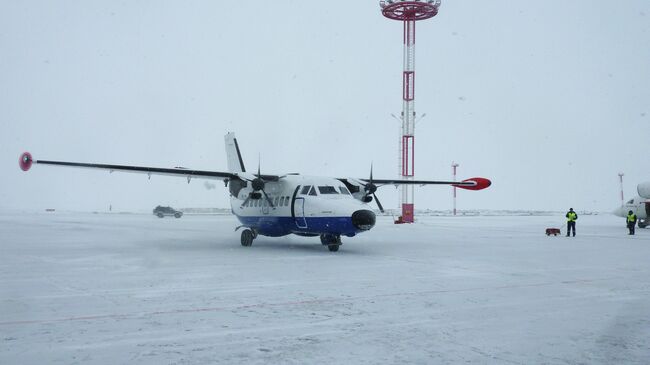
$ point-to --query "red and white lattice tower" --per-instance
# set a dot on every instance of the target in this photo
(408, 12)
(620, 177)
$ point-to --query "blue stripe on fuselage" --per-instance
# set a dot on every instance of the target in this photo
(282, 226)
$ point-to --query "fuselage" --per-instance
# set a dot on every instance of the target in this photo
(302, 205)
(640, 206)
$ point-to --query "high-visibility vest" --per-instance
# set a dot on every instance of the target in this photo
(631, 218)
(572, 216)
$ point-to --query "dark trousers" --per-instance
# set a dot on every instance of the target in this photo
(630, 226)
(569, 227)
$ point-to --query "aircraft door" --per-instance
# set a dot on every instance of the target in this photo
(647, 209)
(299, 207)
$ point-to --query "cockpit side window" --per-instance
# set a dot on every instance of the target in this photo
(312, 191)
(327, 190)
(630, 202)
(305, 189)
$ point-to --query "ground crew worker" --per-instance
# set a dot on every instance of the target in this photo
(571, 217)
(631, 221)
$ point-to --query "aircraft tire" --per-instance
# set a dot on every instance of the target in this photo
(160, 215)
(643, 223)
(323, 239)
(330, 239)
(246, 238)
(333, 248)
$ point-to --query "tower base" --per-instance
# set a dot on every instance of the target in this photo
(407, 214)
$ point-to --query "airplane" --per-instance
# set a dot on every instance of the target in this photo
(640, 205)
(279, 205)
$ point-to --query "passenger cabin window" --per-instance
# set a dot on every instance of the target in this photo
(344, 190)
(312, 191)
(327, 190)
(305, 189)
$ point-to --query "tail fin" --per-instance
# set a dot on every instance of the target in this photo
(235, 162)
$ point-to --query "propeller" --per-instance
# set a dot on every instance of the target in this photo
(370, 189)
(258, 185)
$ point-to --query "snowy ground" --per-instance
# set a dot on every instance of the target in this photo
(118, 289)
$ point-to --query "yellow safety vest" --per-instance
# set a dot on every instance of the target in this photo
(631, 218)
(572, 216)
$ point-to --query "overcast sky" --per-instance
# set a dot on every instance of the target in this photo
(548, 100)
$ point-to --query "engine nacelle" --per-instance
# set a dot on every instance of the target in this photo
(235, 186)
(356, 188)
(644, 190)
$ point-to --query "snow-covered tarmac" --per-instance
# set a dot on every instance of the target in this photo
(123, 289)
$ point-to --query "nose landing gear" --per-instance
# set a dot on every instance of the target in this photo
(332, 241)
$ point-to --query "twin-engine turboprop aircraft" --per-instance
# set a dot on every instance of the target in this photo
(278, 205)
(640, 205)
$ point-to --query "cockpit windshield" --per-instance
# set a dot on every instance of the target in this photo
(308, 190)
(305, 190)
(344, 190)
(327, 190)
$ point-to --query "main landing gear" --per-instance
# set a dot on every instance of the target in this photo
(332, 241)
(247, 237)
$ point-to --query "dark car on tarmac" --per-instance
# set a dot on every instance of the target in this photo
(161, 211)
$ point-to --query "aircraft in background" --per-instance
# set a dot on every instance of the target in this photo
(640, 205)
(279, 205)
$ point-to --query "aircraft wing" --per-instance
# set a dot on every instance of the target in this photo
(26, 162)
(475, 183)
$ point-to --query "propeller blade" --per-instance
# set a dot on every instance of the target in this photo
(370, 188)
(245, 201)
(381, 209)
(268, 199)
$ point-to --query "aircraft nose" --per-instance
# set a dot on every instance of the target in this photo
(363, 219)
(620, 211)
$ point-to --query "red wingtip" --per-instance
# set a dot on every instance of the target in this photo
(480, 183)
(25, 161)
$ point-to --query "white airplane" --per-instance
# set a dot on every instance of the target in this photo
(278, 205)
(640, 205)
